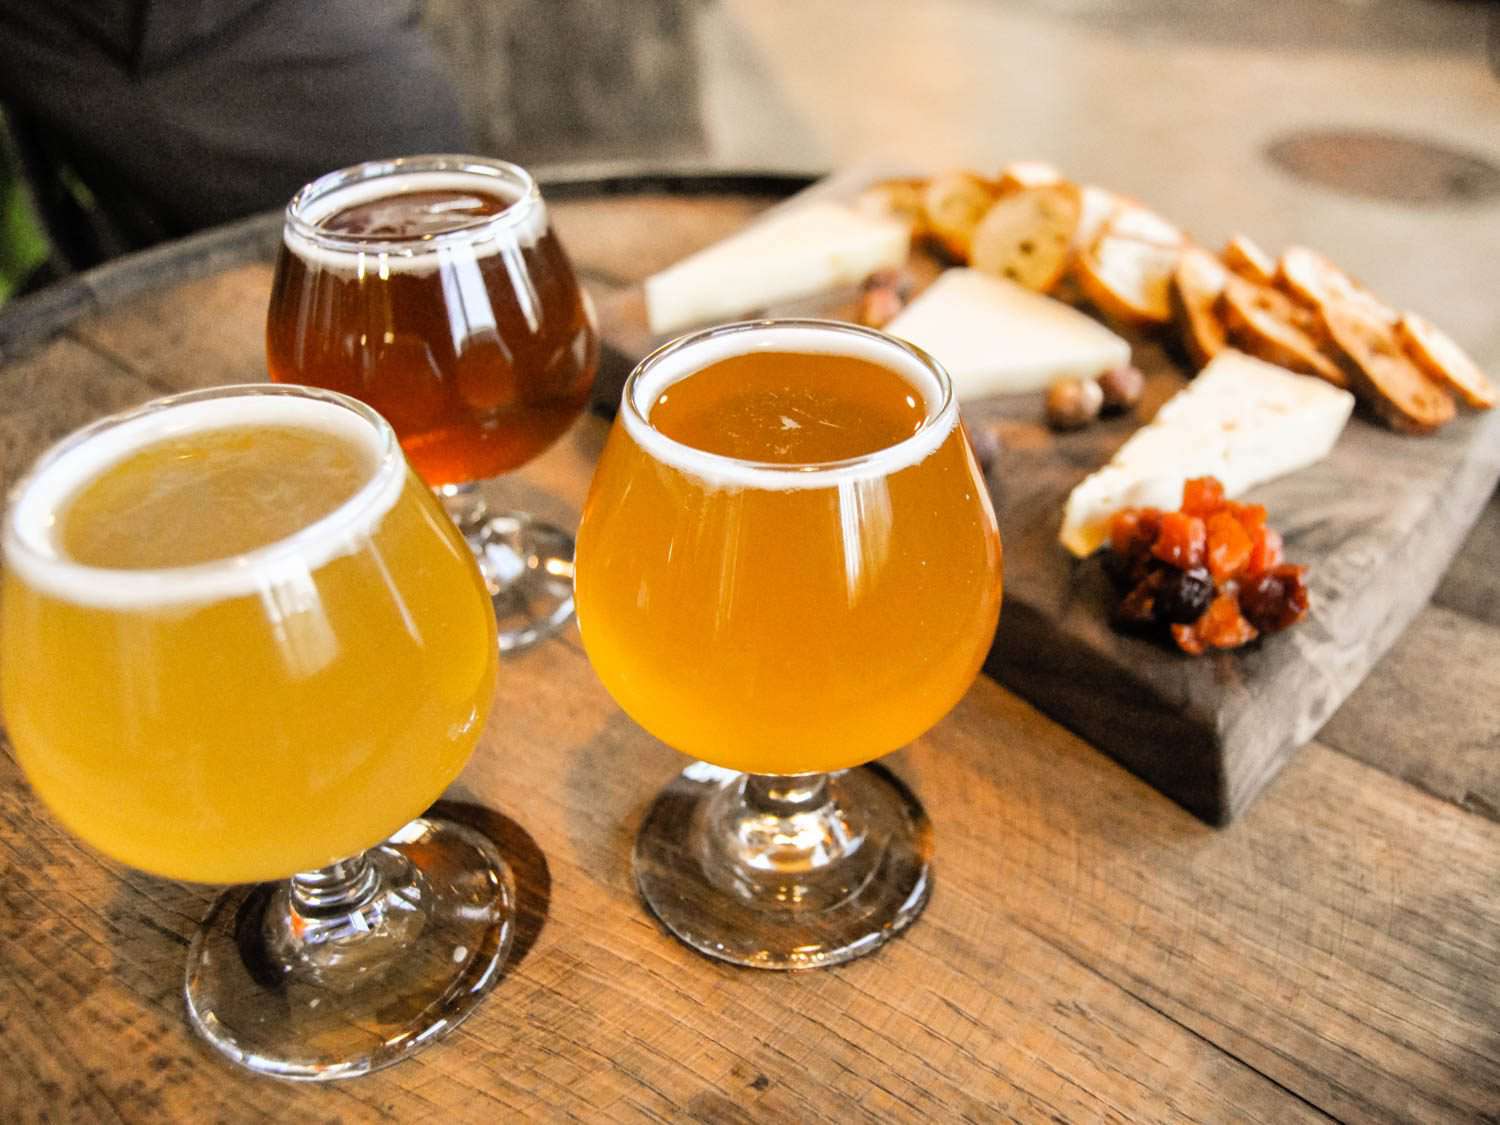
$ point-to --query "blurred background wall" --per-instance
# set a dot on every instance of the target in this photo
(1187, 103)
(560, 81)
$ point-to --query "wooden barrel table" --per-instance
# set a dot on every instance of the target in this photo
(1091, 951)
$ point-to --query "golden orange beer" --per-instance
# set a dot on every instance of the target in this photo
(435, 290)
(240, 638)
(788, 562)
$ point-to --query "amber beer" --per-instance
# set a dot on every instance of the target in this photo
(787, 563)
(444, 300)
(240, 638)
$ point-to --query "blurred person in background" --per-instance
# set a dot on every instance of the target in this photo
(135, 121)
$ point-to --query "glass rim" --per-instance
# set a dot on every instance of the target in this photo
(514, 214)
(126, 587)
(941, 414)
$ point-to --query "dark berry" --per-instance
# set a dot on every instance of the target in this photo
(1184, 596)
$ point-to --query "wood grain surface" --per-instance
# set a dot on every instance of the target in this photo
(1092, 952)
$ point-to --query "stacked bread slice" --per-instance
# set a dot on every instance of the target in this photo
(1088, 245)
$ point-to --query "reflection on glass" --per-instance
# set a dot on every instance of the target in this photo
(787, 567)
(434, 289)
(241, 641)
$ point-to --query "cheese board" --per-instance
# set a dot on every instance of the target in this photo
(1375, 523)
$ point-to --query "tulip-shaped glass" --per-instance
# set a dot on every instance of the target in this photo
(787, 566)
(435, 289)
(240, 641)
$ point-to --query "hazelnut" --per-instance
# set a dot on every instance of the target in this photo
(881, 297)
(1073, 403)
(878, 307)
(1122, 387)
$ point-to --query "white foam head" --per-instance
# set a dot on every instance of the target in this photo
(520, 225)
(681, 358)
(30, 533)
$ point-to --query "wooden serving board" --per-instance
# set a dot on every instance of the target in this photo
(1377, 524)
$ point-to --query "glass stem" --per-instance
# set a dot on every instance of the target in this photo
(789, 825)
(333, 919)
(465, 505)
(342, 888)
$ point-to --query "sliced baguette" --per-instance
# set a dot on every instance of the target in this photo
(1097, 205)
(1027, 236)
(1131, 220)
(953, 203)
(1127, 280)
(1197, 283)
(1027, 174)
(1265, 323)
(1381, 374)
(1313, 280)
(1442, 360)
(1245, 258)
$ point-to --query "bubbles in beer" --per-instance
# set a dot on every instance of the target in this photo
(789, 408)
(878, 408)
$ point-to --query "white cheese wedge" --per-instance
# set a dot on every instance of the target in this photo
(1241, 420)
(806, 250)
(997, 337)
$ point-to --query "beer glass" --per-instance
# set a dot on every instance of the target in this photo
(241, 641)
(785, 620)
(434, 289)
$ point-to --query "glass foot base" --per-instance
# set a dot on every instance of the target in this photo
(803, 887)
(528, 567)
(322, 998)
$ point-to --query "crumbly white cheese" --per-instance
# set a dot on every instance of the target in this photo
(1241, 420)
(997, 337)
(807, 250)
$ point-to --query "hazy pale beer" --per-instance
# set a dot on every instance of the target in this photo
(240, 638)
(787, 562)
(444, 300)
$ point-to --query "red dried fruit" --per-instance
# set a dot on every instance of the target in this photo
(1202, 496)
(1224, 626)
(1251, 516)
(1138, 607)
(1181, 540)
(1187, 639)
(1229, 546)
(1212, 572)
(1132, 531)
(1277, 599)
(1266, 551)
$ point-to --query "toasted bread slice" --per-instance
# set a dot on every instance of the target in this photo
(1098, 204)
(1380, 373)
(1131, 220)
(1127, 280)
(1265, 323)
(1027, 236)
(1245, 258)
(1028, 174)
(953, 203)
(1196, 284)
(896, 199)
(1442, 360)
(1312, 279)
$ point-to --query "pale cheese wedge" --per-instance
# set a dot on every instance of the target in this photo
(1241, 420)
(810, 249)
(997, 337)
